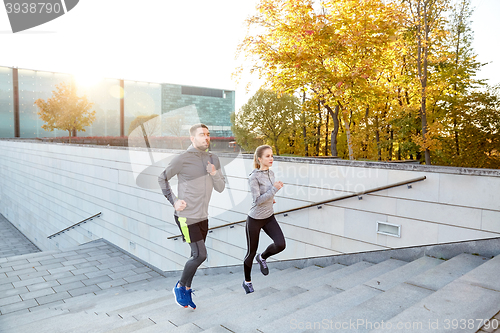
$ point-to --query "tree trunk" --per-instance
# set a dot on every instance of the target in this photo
(422, 60)
(348, 133)
(276, 146)
(457, 50)
(335, 131)
(318, 131)
(304, 128)
(391, 146)
(326, 133)
(377, 139)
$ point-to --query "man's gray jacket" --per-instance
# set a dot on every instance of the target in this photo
(195, 184)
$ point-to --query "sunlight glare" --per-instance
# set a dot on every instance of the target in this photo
(87, 79)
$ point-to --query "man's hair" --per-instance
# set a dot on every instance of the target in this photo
(192, 130)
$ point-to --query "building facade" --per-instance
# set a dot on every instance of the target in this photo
(116, 102)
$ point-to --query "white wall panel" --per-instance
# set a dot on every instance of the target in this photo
(47, 187)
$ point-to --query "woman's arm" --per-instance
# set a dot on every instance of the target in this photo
(255, 190)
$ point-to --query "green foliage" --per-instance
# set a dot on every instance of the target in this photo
(266, 118)
(244, 137)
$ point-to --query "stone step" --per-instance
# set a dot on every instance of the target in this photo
(404, 273)
(396, 297)
(367, 274)
(334, 274)
(138, 326)
(167, 327)
(72, 304)
(317, 294)
(291, 279)
(316, 312)
(52, 316)
(221, 329)
(355, 293)
(109, 303)
(448, 271)
(27, 256)
(269, 312)
(7, 322)
(216, 306)
(61, 323)
(380, 308)
(236, 280)
(155, 328)
(459, 306)
(247, 306)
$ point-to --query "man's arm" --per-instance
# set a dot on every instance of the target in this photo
(173, 168)
(218, 178)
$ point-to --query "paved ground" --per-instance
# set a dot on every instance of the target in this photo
(12, 241)
(30, 278)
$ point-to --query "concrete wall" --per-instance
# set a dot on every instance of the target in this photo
(46, 187)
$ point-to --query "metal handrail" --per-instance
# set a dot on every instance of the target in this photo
(357, 194)
(75, 225)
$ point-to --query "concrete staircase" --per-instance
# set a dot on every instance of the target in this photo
(98, 288)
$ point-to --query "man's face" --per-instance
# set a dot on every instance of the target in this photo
(201, 138)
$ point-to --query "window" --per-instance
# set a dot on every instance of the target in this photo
(196, 91)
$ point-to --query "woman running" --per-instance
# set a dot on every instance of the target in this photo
(261, 215)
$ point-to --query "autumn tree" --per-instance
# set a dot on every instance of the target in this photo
(460, 73)
(65, 110)
(266, 118)
(248, 140)
(425, 23)
(331, 50)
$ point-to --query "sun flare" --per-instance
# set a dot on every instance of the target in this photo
(87, 79)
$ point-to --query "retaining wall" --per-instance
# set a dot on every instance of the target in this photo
(46, 187)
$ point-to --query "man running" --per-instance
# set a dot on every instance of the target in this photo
(198, 172)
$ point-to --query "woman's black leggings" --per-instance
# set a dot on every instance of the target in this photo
(272, 229)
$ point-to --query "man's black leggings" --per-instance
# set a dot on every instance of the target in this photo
(272, 229)
(198, 255)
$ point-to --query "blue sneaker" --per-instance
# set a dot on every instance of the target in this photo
(180, 295)
(190, 292)
(262, 263)
(248, 287)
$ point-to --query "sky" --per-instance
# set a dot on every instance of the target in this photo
(190, 42)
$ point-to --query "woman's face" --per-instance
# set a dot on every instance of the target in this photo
(266, 161)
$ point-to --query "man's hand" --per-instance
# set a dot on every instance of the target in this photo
(180, 205)
(211, 169)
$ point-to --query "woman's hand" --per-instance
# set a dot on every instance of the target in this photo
(278, 185)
